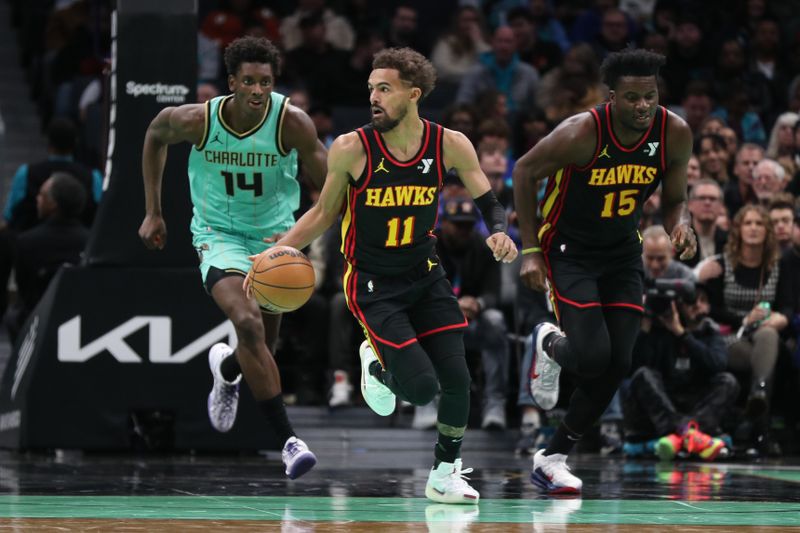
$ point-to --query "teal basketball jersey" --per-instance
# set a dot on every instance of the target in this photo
(243, 183)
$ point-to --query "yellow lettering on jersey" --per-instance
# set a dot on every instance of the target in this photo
(611, 177)
(388, 197)
(400, 196)
(623, 174)
(638, 174)
(373, 197)
(419, 195)
(597, 176)
(404, 194)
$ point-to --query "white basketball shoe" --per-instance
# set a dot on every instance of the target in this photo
(223, 400)
(551, 474)
(545, 372)
(448, 484)
(297, 457)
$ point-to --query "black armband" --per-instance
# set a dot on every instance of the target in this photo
(493, 213)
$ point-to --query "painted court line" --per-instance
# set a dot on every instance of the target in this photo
(316, 509)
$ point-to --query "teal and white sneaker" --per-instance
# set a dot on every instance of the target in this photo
(377, 395)
(223, 400)
(448, 484)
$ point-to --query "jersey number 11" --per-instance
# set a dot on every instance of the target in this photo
(394, 231)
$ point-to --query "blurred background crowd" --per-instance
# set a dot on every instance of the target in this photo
(718, 348)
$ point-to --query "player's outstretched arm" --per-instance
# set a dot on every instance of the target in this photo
(673, 193)
(460, 155)
(300, 133)
(172, 125)
(345, 154)
(572, 142)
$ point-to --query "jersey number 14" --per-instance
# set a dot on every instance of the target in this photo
(241, 183)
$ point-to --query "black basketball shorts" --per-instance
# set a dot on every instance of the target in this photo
(585, 278)
(396, 311)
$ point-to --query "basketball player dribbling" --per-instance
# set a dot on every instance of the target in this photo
(385, 178)
(242, 177)
(601, 167)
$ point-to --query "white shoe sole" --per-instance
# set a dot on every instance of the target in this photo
(379, 409)
(544, 388)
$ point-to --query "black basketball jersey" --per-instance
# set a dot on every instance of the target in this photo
(599, 205)
(391, 211)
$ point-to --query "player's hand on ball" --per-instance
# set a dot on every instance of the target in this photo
(684, 241)
(153, 232)
(533, 272)
(247, 284)
(275, 237)
(502, 247)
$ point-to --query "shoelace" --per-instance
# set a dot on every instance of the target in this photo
(457, 479)
(293, 449)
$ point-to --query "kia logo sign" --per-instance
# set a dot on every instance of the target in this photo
(70, 349)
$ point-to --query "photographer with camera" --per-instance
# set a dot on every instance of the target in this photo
(742, 285)
(680, 386)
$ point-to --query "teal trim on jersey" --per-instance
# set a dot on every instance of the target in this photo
(241, 183)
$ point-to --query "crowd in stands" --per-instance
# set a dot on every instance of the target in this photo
(725, 360)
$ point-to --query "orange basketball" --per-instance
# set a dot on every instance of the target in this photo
(282, 279)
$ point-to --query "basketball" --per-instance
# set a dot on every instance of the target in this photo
(282, 279)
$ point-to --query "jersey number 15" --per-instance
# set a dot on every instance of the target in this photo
(625, 203)
(241, 183)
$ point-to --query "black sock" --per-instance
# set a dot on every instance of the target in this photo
(376, 370)
(547, 343)
(563, 440)
(229, 368)
(447, 450)
(276, 415)
(557, 349)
